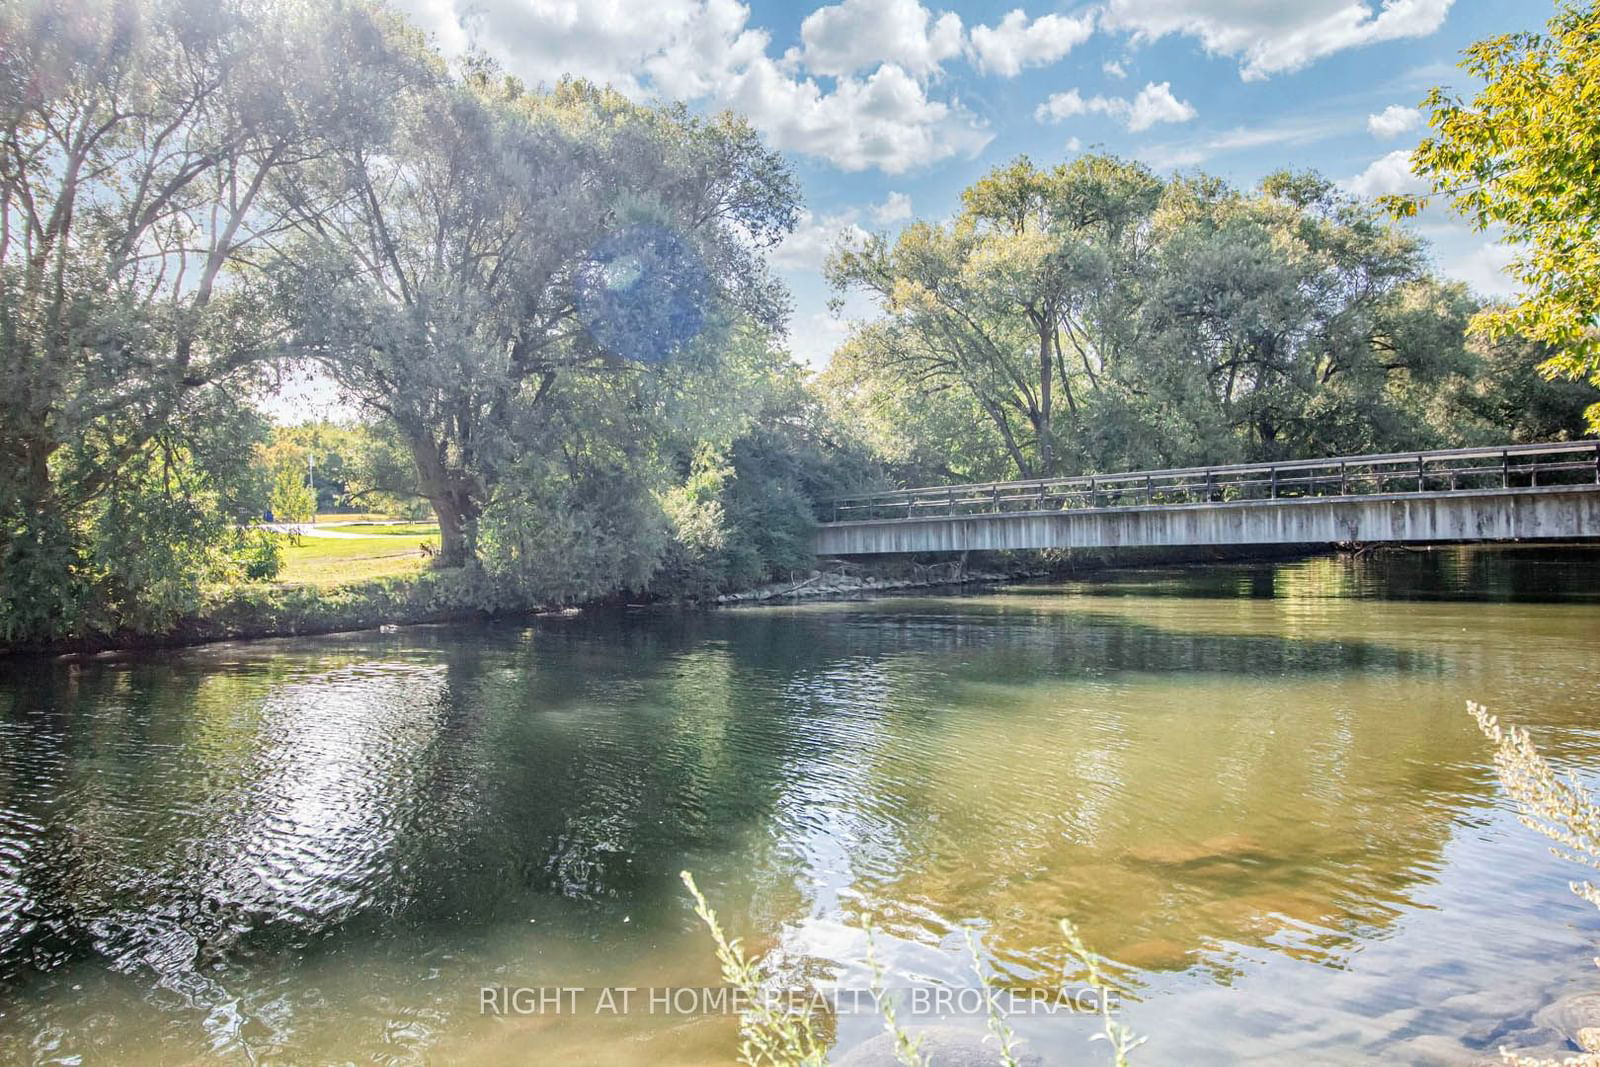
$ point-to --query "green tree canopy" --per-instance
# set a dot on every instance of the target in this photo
(138, 142)
(462, 270)
(1094, 317)
(1523, 155)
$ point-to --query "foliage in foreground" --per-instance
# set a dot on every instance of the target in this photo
(769, 1033)
(774, 1035)
(1523, 156)
(1560, 809)
(139, 143)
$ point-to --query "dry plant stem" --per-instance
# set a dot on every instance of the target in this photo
(1120, 1037)
(997, 1023)
(771, 1036)
(906, 1048)
(1560, 809)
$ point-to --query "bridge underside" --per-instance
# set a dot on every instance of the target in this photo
(1557, 512)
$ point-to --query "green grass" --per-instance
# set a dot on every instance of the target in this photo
(326, 562)
(357, 516)
(393, 529)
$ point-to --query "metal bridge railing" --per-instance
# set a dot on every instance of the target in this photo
(1444, 471)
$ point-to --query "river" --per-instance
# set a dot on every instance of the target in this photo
(1255, 789)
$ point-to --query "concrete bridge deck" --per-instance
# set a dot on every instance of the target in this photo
(1515, 493)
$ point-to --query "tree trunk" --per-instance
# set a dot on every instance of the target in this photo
(38, 490)
(998, 417)
(452, 501)
(1046, 459)
(1066, 379)
(452, 530)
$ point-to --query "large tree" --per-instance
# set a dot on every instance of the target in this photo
(1287, 319)
(990, 301)
(457, 272)
(1178, 322)
(1523, 155)
(137, 141)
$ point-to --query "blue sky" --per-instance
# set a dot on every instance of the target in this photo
(888, 108)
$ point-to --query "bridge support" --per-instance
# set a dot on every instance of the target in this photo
(1518, 514)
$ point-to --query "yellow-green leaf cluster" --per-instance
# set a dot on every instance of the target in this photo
(1523, 156)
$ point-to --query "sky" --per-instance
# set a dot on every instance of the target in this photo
(888, 108)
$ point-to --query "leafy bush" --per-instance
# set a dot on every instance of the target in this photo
(571, 540)
(136, 556)
(260, 555)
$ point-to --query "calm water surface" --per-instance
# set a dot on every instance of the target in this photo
(1255, 788)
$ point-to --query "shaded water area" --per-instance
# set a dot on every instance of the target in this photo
(1254, 787)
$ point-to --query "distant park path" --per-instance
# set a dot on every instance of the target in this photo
(302, 529)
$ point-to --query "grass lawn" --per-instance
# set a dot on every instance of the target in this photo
(356, 516)
(328, 561)
(386, 529)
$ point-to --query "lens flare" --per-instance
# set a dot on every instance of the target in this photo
(643, 293)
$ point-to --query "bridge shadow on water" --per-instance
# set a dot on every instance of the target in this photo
(1531, 573)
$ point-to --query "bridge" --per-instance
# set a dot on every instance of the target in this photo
(1510, 493)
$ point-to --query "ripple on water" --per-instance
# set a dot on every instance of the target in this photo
(1261, 800)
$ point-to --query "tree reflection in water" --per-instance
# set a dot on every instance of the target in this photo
(321, 848)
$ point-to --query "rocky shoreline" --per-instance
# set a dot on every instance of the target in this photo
(839, 583)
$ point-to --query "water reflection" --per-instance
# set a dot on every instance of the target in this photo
(321, 849)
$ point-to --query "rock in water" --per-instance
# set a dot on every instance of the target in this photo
(1570, 1014)
(1224, 848)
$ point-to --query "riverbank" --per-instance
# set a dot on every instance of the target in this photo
(838, 579)
(249, 612)
(244, 613)
(842, 580)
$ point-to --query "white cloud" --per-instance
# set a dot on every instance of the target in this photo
(540, 40)
(1272, 38)
(1172, 157)
(1059, 106)
(818, 335)
(885, 120)
(1242, 138)
(1155, 103)
(895, 208)
(817, 235)
(1392, 121)
(1113, 70)
(1074, 145)
(1485, 269)
(1297, 131)
(705, 51)
(1466, 254)
(1391, 174)
(858, 35)
(440, 19)
(712, 47)
(1016, 42)
(814, 237)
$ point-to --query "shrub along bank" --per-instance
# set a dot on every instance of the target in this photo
(242, 612)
